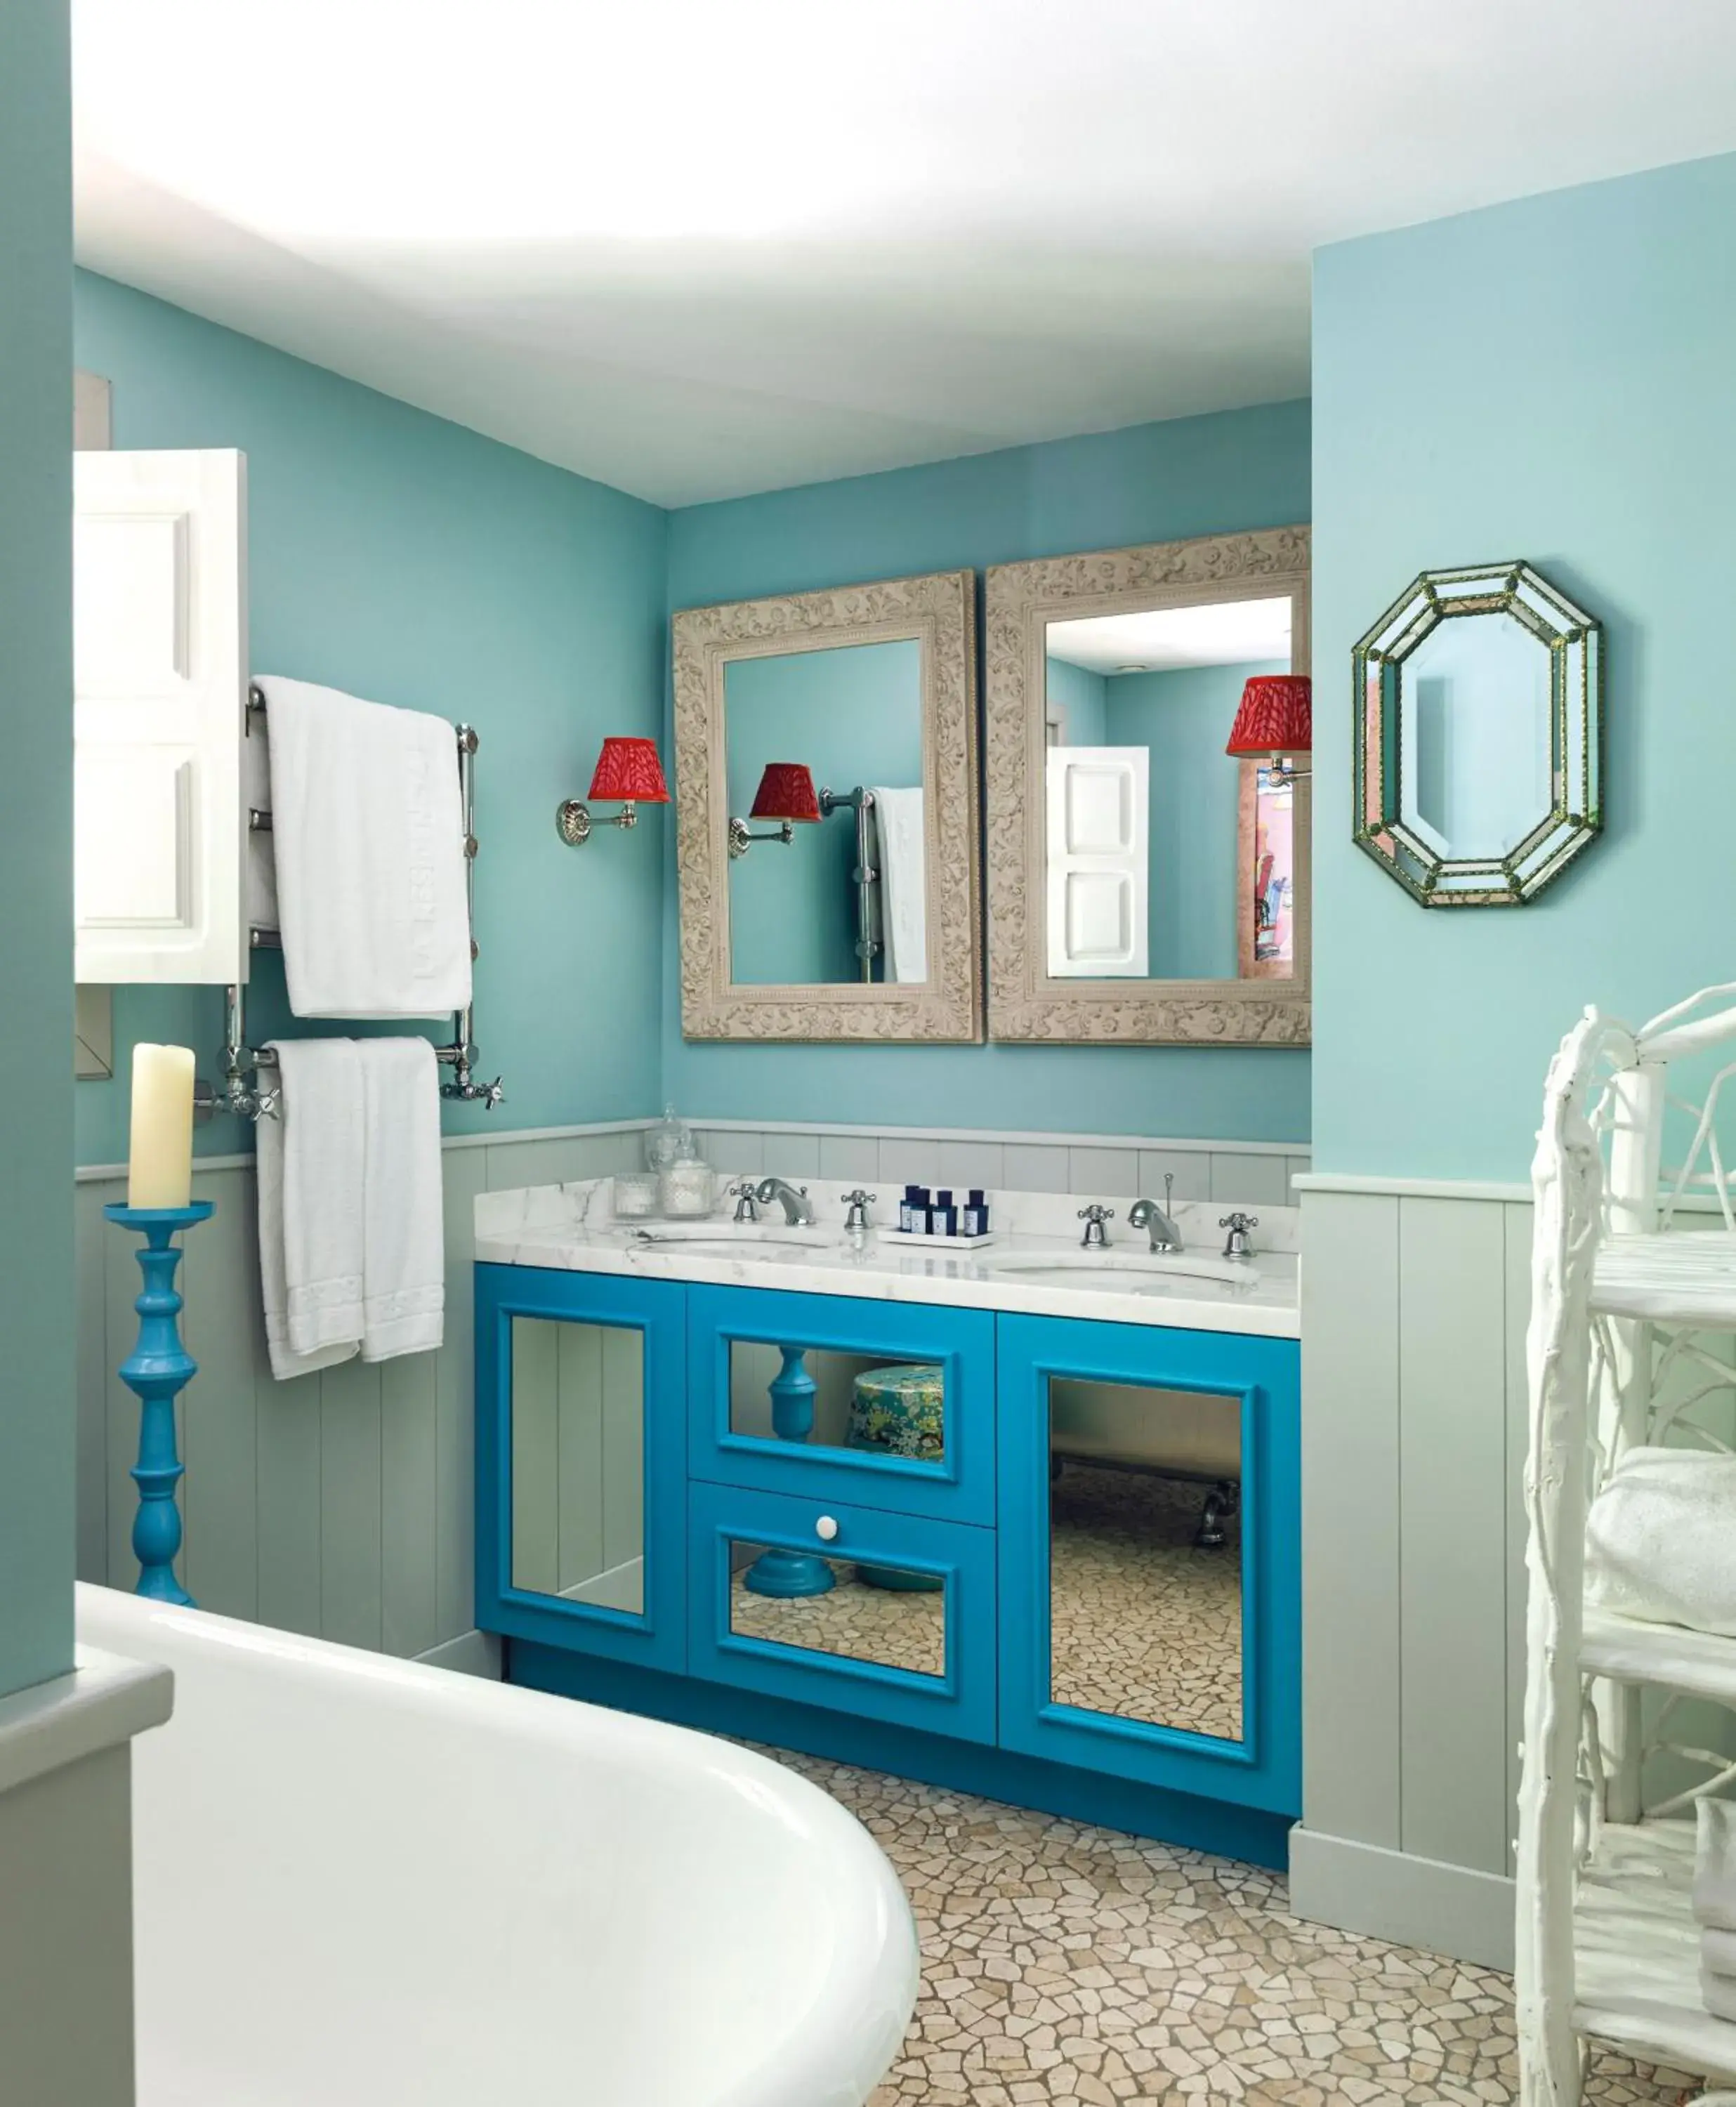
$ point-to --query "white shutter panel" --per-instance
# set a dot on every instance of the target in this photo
(160, 688)
(1099, 825)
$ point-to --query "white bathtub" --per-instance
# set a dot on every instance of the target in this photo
(360, 1883)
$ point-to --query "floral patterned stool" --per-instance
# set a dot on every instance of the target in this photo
(902, 1410)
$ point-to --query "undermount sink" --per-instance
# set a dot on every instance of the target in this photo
(710, 1237)
(1123, 1270)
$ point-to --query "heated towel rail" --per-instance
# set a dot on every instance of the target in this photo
(240, 1089)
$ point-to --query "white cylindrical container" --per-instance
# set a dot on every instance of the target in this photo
(687, 1186)
(635, 1194)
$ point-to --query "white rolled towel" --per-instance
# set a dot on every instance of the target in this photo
(1661, 1540)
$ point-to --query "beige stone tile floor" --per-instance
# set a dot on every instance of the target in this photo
(1066, 1963)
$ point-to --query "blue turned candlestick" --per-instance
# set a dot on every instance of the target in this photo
(158, 1368)
(777, 1571)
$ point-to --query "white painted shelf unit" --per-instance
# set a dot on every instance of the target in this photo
(1607, 1946)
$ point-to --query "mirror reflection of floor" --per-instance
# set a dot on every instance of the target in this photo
(1145, 1625)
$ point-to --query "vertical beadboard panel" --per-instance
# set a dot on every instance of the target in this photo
(1350, 1475)
(1516, 1226)
(536, 1455)
(513, 1163)
(792, 1155)
(1248, 1181)
(1453, 1531)
(408, 1389)
(89, 1233)
(288, 1501)
(226, 1338)
(455, 1536)
(349, 1561)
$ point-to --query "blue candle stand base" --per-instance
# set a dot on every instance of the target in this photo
(158, 1368)
(777, 1571)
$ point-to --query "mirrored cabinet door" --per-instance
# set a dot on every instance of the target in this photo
(1145, 1554)
(578, 1462)
(892, 1615)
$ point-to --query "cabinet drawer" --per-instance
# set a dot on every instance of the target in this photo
(878, 1405)
(884, 1615)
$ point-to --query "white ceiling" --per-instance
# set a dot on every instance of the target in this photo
(1237, 633)
(702, 247)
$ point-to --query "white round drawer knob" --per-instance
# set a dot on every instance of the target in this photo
(825, 1529)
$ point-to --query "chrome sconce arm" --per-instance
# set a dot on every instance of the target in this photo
(741, 834)
(573, 817)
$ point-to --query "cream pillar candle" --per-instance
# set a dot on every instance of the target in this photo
(160, 1171)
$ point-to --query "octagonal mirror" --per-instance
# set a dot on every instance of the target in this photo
(1480, 736)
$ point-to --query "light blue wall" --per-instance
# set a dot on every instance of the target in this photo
(1078, 693)
(1184, 718)
(406, 559)
(1550, 379)
(1196, 475)
(36, 1239)
(853, 716)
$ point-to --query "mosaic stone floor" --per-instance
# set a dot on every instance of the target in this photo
(1063, 1963)
(1145, 1625)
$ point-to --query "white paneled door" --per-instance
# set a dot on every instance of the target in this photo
(1099, 829)
(160, 684)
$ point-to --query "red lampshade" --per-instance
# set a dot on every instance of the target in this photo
(1276, 716)
(629, 769)
(786, 792)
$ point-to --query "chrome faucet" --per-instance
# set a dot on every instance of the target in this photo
(797, 1206)
(1094, 1217)
(856, 1219)
(742, 1196)
(1146, 1215)
(1236, 1245)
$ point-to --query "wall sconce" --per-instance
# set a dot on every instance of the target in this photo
(1274, 719)
(627, 770)
(786, 794)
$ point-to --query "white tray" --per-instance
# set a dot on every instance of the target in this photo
(917, 1239)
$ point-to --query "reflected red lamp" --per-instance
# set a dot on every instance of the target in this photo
(786, 794)
(629, 772)
(1274, 719)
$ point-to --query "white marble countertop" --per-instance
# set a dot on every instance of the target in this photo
(1034, 1266)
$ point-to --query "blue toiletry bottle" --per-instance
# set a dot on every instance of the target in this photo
(921, 1216)
(976, 1214)
(907, 1207)
(943, 1221)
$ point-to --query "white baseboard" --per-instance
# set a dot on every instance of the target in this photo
(471, 1653)
(1444, 1909)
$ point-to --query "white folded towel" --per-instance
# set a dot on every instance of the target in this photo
(352, 1248)
(1661, 1539)
(1715, 1865)
(903, 883)
(367, 839)
(311, 1235)
(404, 1240)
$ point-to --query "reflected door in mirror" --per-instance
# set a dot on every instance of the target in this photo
(578, 1462)
(1143, 867)
(1146, 1570)
(828, 875)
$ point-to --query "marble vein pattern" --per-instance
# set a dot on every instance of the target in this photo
(1066, 1963)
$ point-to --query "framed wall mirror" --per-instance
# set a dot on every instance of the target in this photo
(1146, 886)
(827, 814)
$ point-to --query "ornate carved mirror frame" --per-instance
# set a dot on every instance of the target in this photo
(1025, 1001)
(939, 612)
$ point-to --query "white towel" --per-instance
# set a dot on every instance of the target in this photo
(1661, 1539)
(1715, 1866)
(903, 883)
(261, 881)
(352, 1247)
(366, 836)
(310, 1170)
(404, 1240)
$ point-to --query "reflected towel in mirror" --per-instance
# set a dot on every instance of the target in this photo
(903, 883)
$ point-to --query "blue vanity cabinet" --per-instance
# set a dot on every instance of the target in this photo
(1120, 1447)
(839, 1398)
(903, 1630)
(581, 1476)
